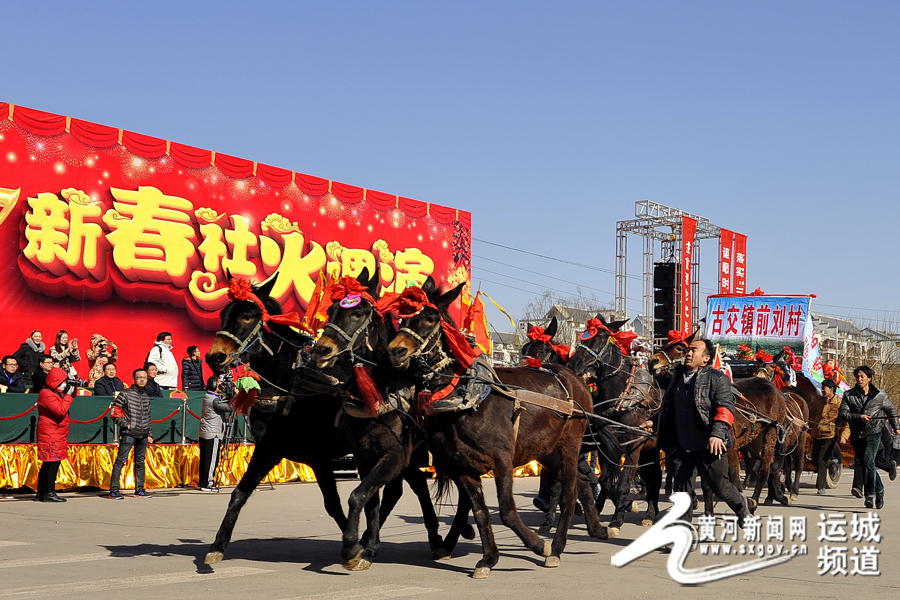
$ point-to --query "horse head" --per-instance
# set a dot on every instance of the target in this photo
(671, 354)
(354, 330)
(540, 344)
(422, 312)
(596, 347)
(244, 336)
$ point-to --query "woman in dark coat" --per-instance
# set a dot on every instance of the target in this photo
(52, 432)
(29, 356)
(192, 370)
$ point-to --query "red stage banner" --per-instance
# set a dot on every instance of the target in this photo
(726, 241)
(688, 229)
(740, 263)
(112, 232)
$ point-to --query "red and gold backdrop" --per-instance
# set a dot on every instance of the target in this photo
(113, 232)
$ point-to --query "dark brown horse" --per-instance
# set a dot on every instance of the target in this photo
(498, 435)
(386, 442)
(306, 434)
(628, 395)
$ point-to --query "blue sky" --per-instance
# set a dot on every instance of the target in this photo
(546, 120)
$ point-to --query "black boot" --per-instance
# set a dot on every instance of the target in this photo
(52, 497)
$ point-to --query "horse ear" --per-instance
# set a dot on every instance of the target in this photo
(616, 325)
(690, 339)
(778, 356)
(370, 280)
(429, 287)
(227, 276)
(265, 289)
(448, 298)
(602, 318)
(552, 327)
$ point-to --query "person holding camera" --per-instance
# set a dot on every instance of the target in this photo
(53, 432)
(131, 412)
(64, 352)
(101, 352)
(212, 430)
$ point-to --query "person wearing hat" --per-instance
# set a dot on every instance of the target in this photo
(53, 431)
(823, 429)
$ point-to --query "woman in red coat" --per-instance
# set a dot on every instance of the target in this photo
(52, 432)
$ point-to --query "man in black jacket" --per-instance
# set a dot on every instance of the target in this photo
(109, 384)
(865, 408)
(39, 377)
(10, 378)
(131, 412)
(696, 416)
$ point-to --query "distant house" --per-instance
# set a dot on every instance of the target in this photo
(505, 349)
(572, 322)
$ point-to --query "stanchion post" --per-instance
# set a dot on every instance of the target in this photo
(184, 421)
(115, 433)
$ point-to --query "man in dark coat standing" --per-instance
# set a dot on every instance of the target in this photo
(131, 412)
(865, 408)
(696, 416)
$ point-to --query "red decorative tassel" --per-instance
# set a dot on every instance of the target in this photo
(243, 401)
(778, 381)
(423, 400)
(369, 391)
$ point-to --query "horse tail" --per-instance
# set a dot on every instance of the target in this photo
(443, 487)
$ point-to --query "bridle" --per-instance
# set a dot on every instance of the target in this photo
(244, 344)
(423, 352)
(596, 356)
(351, 340)
(670, 362)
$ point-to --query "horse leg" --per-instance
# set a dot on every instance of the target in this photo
(418, 482)
(764, 465)
(503, 479)
(734, 469)
(260, 464)
(553, 504)
(365, 497)
(591, 517)
(568, 475)
(622, 494)
(459, 526)
(490, 554)
(652, 474)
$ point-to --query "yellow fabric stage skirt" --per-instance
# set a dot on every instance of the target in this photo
(168, 466)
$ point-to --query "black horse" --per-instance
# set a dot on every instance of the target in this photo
(628, 395)
(499, 435)
(304, 432)
(386, 444)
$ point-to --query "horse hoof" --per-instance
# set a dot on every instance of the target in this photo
(545, 551)
(544, 529)
(441, 554)
(468, 532)
(551, 561)
(351, 563)
(752, 505)
(647, 523)
(601, 534)
(481, 573)
(793, 497)
(436, 542)
(213, 557)
(634, 506)
(785, 501)
(612, 532)
(362, 565)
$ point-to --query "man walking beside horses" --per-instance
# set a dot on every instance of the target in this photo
(865, 408)
(696, 416)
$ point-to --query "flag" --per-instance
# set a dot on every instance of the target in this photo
(474, 321)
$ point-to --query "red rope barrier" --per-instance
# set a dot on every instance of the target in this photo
(190, 411)
(19, 416)
(174, 412)
(92, 420)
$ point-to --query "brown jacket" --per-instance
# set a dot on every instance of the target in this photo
(823, 422)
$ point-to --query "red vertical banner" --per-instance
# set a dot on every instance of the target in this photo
(725, 261)
(688, 229)
(740, 263)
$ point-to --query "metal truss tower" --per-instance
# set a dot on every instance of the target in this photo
(660, 227)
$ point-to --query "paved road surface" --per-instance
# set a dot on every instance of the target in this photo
(286, 547)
